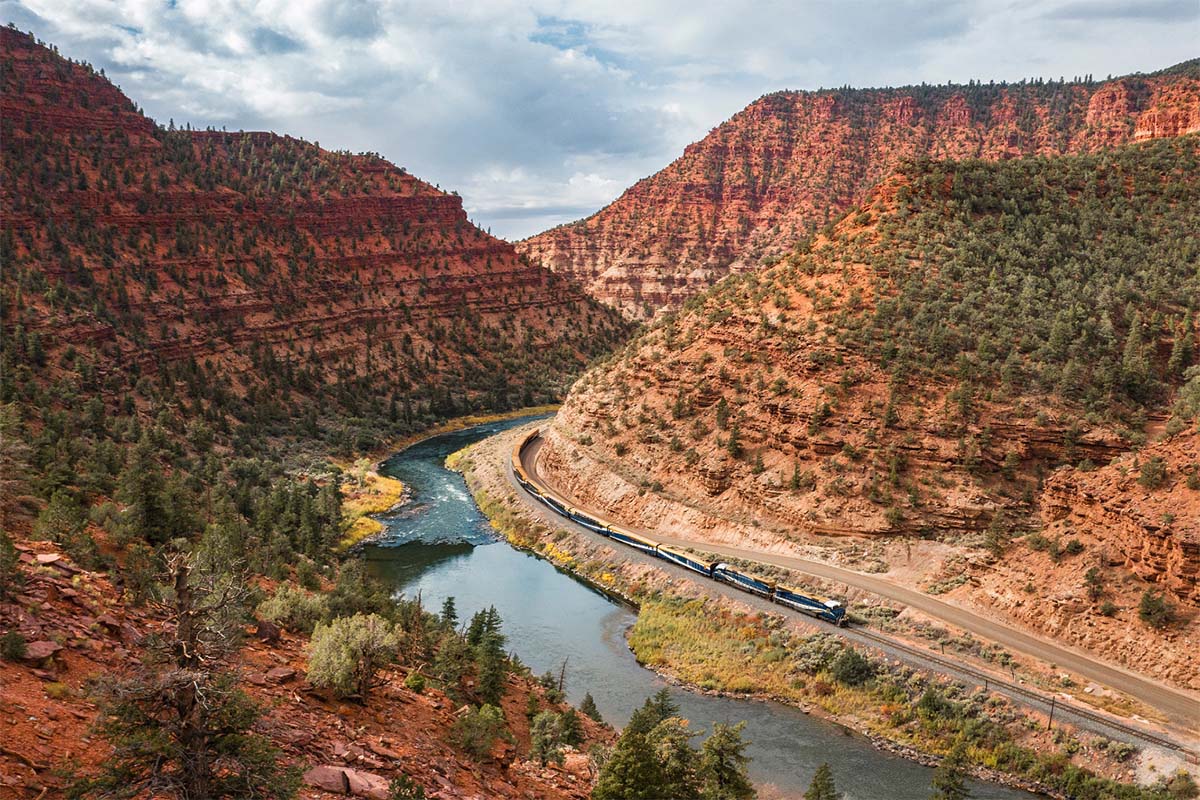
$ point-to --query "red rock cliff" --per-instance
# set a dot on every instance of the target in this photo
(261, 259)
(793, 160)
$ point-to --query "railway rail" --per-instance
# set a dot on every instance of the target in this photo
(830, 612)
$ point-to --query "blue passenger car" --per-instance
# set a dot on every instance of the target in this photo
(828, 610)
(686, 560)
(632, 539)
(724, 572)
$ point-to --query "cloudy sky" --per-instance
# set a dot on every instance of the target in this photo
(540, 112)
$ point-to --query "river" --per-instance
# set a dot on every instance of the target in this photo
(440, 545)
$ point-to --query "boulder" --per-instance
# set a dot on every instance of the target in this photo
(267, 631)
(281, 674)
(329, 778)
(342, 780)
(40, 651)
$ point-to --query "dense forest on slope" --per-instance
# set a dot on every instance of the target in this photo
(791, 161)
(921, 364)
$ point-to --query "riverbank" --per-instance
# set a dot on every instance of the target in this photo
(723, 646)
(373, 494)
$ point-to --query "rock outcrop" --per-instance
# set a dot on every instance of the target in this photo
(1148, 526)
(791, 161)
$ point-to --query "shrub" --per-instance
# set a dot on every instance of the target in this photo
(1153, 473)
(10, 565)
(415, 681)
(295, 609)
(1155, 611)
(346, 653)
(852, 668)
(477, 730)
(403, 787)
(12, 646)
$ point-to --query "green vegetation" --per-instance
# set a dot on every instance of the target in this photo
(12, 646)
(654, 758)
(822, 786)
(479, 729)
(346, 653)
(588, 707)
(179, 725)
(1155, 611)
(1054, 268)
(950, 777)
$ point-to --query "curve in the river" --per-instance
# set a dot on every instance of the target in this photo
(441, 545)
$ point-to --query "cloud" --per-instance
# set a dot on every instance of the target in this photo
(540, 111)
(1147, 10)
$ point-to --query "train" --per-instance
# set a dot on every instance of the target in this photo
(830, 611)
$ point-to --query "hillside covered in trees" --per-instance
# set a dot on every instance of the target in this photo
(253, 278)
(919, 369)
(791, 161)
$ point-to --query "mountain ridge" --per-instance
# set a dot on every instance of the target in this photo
(791, 161)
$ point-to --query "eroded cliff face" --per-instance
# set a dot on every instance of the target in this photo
(791, 161)
(1149, 526)
(919, 371)
(1106, 539)
(258, 262)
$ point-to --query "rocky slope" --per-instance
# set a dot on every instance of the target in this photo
(256, 265)
(917, 372)
(79, 626)
(791, 161)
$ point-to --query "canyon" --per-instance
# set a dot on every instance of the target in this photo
(791, 162)
(911, 375)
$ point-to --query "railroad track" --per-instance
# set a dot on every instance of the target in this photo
(1012, 689)
(989, 681)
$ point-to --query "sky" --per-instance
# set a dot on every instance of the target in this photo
(542, 112)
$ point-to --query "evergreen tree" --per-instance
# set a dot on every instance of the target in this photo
(490, 659)
(950, 777)
(141, 490)
(588, 706)
(631, 772)
(572, 727)
(723, 765)
(449, 612)
(181, 727)
(546, 738)
(822, 787)
(677, 760)
(656, 708)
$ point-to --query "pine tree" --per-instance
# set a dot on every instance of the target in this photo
(723, 765)
(449, 612)
(949, 779)
(677, 760)
(822, 787)
(632, 771)
(572, 727)
(588, 706)
(546, 738)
